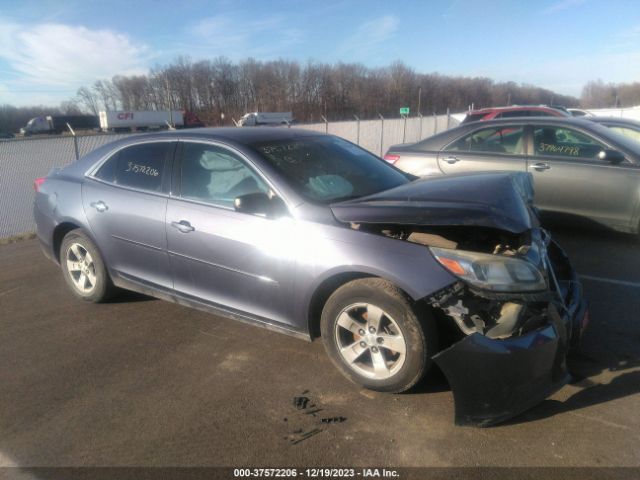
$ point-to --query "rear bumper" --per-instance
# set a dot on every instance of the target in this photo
(44, 232)
(495, 379)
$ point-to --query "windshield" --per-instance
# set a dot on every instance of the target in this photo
(627, 143)
(328, 169)
(473, 117)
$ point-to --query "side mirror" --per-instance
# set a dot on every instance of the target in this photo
(611, 156)
(261, 204)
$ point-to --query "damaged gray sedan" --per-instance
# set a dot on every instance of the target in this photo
(313, 236)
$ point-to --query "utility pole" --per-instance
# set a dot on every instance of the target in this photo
(419, 100)
(169, 98)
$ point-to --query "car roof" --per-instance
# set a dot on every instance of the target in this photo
(440, 140)
(513, 108)
(449, 135)
(617, 120)
(238, 136)
(241, 135)
(533, 120)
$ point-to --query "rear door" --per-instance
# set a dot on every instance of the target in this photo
(570, 178)
(125, 200)
(485, 149)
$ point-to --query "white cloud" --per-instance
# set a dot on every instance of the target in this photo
(57, 57)
(234, 37)
(561, 5)
(369, 36)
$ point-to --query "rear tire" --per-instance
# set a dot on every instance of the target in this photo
(377, 337)
(83, 268)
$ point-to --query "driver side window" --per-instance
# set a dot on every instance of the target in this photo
(216, 175)
(565, 142)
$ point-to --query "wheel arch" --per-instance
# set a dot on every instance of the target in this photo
(63, 228)
(59, 232)
(330, 284)
(322, 293)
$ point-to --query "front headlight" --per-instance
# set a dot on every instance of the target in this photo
(491, 272)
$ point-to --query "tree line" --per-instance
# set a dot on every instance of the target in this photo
(218, 90)
(597, 94)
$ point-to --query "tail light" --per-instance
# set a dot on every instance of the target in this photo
(391, 158)
(37, 182)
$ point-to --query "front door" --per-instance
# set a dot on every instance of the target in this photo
(570, 178)
(218, 255)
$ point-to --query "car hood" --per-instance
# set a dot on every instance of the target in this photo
(498, 200)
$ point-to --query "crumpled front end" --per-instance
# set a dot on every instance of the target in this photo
(516, 307)
(513, 349)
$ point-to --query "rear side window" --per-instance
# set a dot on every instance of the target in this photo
(506, 139)
(139, 166)
(473, 117)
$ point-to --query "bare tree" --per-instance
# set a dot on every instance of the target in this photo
(70, 107)
(89, 100)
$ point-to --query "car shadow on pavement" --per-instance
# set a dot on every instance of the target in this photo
(434, 382)
(625, 382)
(128, 296)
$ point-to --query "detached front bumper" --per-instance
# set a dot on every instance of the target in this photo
(495, 379)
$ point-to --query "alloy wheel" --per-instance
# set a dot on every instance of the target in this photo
(81, 268)
(370, 341)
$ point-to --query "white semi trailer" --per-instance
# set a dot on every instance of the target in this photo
(130, 120)
(255, 119)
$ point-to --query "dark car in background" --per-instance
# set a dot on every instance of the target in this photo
(579, 167)
(493, 113)
(311, 235)
(579, 112)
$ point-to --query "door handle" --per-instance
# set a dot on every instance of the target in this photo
(100, 206)
(183, 226)
(451, 160)
(541, 166)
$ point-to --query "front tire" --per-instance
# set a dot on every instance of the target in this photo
(377, 337)
(83, 268)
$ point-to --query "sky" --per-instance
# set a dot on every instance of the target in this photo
(50, 48)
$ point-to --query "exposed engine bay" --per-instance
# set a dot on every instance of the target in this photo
(478, 239)
(496, 315)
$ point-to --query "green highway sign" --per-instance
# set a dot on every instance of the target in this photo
(404, 111)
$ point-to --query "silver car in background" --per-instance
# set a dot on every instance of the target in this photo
(579, 167)
(624, 126)
(313, 236)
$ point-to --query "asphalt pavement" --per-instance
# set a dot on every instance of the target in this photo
(144, 382)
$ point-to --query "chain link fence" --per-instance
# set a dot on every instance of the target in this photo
(24, 160)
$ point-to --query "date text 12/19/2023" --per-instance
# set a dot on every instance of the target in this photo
(315, 472)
